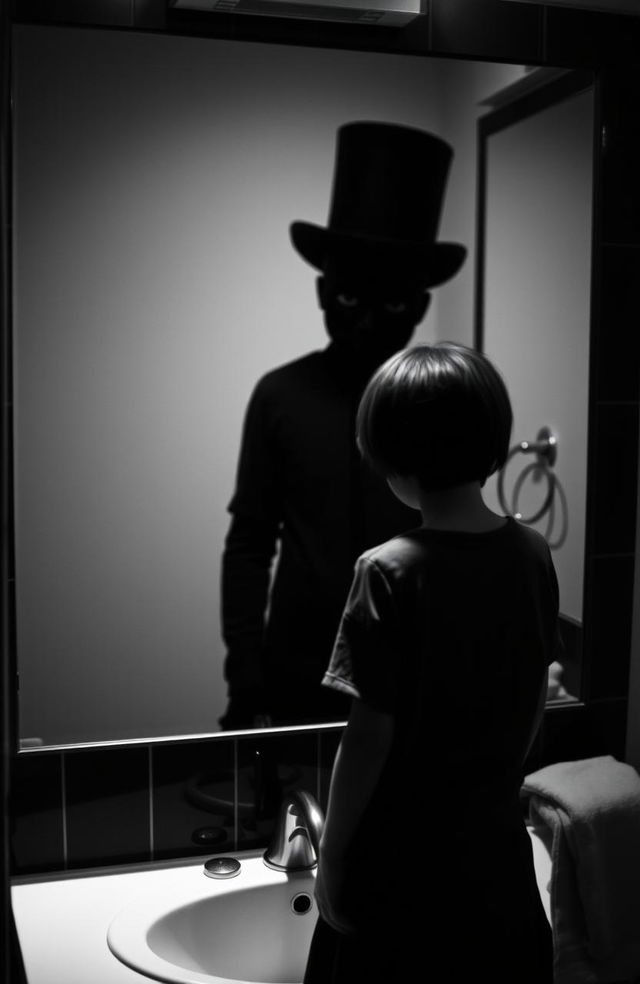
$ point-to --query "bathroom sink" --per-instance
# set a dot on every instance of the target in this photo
(255, 927)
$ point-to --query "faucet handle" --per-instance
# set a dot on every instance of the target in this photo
(306, 806)
(295, 844)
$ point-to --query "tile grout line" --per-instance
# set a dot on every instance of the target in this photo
(63, 790)
(151, 817)
(235, 793)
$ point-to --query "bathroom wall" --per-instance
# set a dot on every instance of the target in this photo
(154, 282)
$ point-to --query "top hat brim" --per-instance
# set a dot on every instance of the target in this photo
(427, 263)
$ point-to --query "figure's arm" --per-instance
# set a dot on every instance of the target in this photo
(361, 757)
(250, 547)
(246, 570)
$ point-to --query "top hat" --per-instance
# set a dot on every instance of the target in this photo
(388, 189)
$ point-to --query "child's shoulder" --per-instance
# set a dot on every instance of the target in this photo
(416, 546)
(530, 539)
(399, 551)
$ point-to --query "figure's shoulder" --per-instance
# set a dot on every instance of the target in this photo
(293, 372)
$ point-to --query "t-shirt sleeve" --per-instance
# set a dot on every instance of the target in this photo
(557, 650)
(364, 663)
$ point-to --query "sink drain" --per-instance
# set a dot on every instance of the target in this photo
(301, 903)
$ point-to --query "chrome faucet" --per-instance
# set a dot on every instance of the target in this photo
(295, 844)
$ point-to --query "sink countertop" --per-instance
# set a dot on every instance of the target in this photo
(541, 843)
(76, 908)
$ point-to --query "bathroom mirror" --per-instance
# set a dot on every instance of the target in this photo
(155, 178)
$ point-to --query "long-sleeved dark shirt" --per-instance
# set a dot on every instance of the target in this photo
(303, 494)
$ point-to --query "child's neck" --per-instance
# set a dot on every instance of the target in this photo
(459, 509)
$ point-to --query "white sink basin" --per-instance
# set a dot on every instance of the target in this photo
(217, 931)
(190, 929)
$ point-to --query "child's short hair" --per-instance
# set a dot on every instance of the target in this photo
(440, 412)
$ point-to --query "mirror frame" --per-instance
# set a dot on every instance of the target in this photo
(475, 30)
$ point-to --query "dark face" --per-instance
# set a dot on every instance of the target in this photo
(369, 316)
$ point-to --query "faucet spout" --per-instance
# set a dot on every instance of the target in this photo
(295, 844)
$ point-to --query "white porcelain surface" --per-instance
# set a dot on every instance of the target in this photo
(215, 931)
(173, 914)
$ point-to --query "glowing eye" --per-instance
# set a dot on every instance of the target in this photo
(395, 307)
(347, 300)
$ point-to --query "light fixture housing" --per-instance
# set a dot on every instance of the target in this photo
(391, 13)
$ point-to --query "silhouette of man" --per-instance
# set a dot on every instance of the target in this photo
(302, 493)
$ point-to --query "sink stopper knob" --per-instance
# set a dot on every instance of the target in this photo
(221, 867)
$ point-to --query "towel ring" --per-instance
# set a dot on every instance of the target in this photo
(545, 447)
(551, 485)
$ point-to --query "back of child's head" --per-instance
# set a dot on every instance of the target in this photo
(439, 412)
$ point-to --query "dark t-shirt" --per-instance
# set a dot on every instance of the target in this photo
(452, 634)
(468, 620)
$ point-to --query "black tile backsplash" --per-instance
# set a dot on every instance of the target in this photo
(140, 802)
(617, 376)
(107, 806)
(620, 155)
(611, 606)
(269, 766)
(615, 478)
(38, 829)
(194, 794)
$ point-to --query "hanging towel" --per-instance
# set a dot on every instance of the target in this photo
(592, 807)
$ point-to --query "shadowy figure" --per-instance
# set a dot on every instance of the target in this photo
(302, 492)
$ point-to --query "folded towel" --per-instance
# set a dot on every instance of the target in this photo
(592, 807)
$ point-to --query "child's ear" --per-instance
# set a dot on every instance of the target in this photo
(320, 291)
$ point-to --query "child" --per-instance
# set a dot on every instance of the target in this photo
(426, 869)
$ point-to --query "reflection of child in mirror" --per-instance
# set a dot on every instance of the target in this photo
(444, 646)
